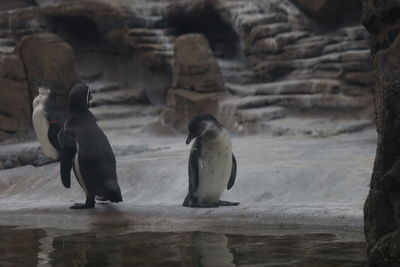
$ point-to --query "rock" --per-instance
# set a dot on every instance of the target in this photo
(387, 251)
(49, 58)
(360, 78)
(249, 21)
(195, 67)
(27, 156)
(184, 104)
(15, 103)
(294, 87)
(261, 114)
(8, 164)
(269, 30)
(354, 90)
(331, 12)
(382, 207)
(275, 45)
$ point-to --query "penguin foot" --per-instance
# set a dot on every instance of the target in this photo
(81, 206)
(227, 203)
(89, 204)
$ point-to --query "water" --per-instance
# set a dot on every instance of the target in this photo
(124, 247)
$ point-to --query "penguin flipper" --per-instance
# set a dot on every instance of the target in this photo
(67, 156)
(194, 167)
(52, 134)
(233, 173)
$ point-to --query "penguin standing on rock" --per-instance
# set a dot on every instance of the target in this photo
(86, 149)
(47, 119)
(212, 165)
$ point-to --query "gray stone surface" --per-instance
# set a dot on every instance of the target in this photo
(280, 180)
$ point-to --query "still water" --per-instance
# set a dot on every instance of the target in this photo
(49, 247)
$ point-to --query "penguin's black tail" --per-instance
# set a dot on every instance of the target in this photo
(113, 192)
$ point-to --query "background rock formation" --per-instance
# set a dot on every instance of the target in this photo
(287, 66)
(382, 207)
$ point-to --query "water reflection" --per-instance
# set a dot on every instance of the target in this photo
(38, 247)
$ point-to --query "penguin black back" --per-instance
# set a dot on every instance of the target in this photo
(94, 163)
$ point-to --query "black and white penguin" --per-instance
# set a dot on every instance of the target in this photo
(47, 119)
(86, 149)
(212, 165)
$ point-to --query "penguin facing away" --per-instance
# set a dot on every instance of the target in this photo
(47, 119)
(212, 165)
(87, 151)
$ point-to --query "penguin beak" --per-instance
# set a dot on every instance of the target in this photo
(189, 138)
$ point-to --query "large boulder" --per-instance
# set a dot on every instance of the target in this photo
(49, 58)
(195, 67)
(15, 104)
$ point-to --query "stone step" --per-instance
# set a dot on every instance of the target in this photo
(7, 49)
(127, 122)
(232, 65)
(355, 33)
(149, 21)
(165, 54)
(353, 60)
(261, 114)
(101, 86)
(155, 47)
(90, 75)
(7, 42)
(239, 77)
(269, 30)
(287, 87)
(232, 4)
(345, 46)
(125, 96)
(247, 9)
(151, 32)
(275, 45)
(249, 21)
(302, 102)
(315, 127)
(107, 112)
(164, 39)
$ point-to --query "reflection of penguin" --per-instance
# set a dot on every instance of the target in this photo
(87, 150)
(47, 121)
(212, 165)
(212, 249)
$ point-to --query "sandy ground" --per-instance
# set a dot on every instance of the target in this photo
(295, 180)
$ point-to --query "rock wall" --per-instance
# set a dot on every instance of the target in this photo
(382, 207)
(281, 61)
(15, 105)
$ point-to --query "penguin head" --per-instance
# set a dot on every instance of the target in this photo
(44, 92)
(79, 97)
(203, 125)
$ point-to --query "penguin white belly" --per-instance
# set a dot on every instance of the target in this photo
(215, 167)
(41, 126)
(77, 170)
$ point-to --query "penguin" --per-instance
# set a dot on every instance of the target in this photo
(212, 165)
(87, 151)
(47, 119)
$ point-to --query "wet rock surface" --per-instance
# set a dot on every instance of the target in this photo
(280, 180)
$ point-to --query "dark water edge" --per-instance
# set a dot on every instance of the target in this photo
(121, 247)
